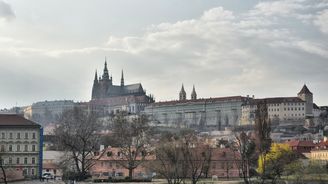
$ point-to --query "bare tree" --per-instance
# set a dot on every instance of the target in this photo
(170, 162)
(262, 131)
(4, 176)
(245, 147)
(197, 155)
(133, 139)
(77, 135)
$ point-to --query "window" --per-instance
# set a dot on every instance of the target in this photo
(10, 135)
(33, 160)
(10, 160)
(26, 135)
(26, 147)
(2, 148)
(25, 160)
(17, 160)
(33, 147)
(10, 147)
(3, 135)
(109, 154)
(32, 171)
(18, 147)
(18, 136)
(33, 135)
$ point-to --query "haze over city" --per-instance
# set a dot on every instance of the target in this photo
(50, 49)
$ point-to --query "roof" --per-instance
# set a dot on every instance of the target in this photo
(274, 100)
(16, 120)
(294, 143)
(305, 90)
(201, 100)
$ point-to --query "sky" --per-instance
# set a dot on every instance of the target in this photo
(49, 50)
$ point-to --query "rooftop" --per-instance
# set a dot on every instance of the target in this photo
(15, 120)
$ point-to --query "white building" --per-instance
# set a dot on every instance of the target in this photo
(47, 111)
(20, 145)
(281, 109)
(217, 113)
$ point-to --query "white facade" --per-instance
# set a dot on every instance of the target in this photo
(214, 112)
(47, 111)
(19, 147)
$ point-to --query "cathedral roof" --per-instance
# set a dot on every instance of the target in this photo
(305, 90)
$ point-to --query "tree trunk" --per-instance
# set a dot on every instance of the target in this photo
(130, 173)
(4, 174)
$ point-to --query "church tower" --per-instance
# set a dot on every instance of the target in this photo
(182, 94)
(193, 93)
(95, 87)
(306, 95)
(122, 79)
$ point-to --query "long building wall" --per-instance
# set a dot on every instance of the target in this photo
(218, 112)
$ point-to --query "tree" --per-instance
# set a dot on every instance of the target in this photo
(275, 161)
(245, 146)
(183, 155)
(262, 131)
(170, 162)
(4, 176)
(133, 135)
(77, 135)
(197, 155)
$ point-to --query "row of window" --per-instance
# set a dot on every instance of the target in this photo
(288, 109)
(18, 148)
(286, 104)
(293, 115)
(18, 160)
(18, 135)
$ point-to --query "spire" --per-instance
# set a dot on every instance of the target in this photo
(305, 90)
(122, 79)
(96, 76)
(193, 93)
(105, 74)
(182, 94)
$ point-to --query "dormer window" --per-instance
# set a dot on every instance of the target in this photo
(109, 154)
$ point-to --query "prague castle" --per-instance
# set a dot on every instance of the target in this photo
(108, 98)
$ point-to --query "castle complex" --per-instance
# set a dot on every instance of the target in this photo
(108, 98)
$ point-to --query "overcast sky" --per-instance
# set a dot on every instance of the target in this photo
(49, 50)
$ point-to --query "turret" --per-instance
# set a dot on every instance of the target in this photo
(193, 93)
(182, 94)
(306, 95)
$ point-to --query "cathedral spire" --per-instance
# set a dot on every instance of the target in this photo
(122, 79)
(193, 93)
(96, 76)
(182, 94)
(105, 74)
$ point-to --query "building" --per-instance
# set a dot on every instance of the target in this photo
(107, 162)
(21, 145)
(108, 98)
(320, 153)
(51, 163)
(218, 113)
(46, 112)
(281, 109)
(301, 146)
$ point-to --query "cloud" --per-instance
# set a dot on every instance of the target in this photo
(267, 51)
(322, 21)
(6, 12)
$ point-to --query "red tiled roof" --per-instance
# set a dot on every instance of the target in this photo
(275, 100)
(15, 120)
(294, 143)
(201, 100)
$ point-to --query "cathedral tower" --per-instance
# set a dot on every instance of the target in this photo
(122, 79)
(193, 93)
(95, 87)
(306, 95)
(182, 94)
